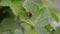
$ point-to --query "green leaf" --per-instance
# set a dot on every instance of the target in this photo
(30, 6)
(9, 25)
(41, 30)
(57, 30)
(53, 13)
(50, 28)
(38, 2)
(54, 16)
(14, 5)
(40, 17)
(42, 22)
(5, 12)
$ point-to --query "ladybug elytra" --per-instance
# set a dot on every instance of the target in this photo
(30, 14)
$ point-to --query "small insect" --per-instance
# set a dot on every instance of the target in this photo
(30, 14)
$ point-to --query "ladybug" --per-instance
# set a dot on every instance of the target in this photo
(30, 14)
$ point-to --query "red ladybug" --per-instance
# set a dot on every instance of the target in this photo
(30, 14)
